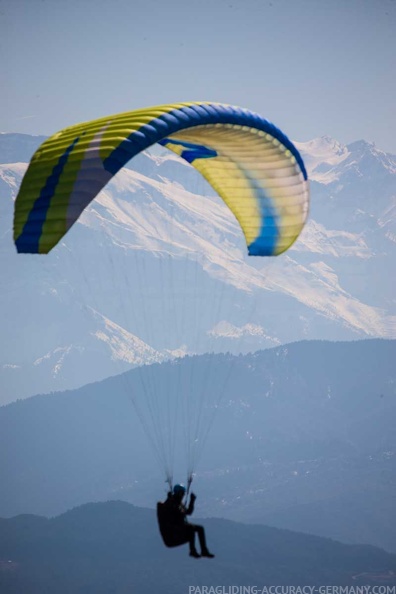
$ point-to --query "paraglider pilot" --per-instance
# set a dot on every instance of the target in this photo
(174, 527)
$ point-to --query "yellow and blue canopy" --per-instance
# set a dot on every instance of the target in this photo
(251, 164)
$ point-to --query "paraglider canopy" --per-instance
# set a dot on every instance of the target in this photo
(254, 168)
(250, 163)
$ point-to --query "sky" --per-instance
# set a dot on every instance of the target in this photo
(312, 67)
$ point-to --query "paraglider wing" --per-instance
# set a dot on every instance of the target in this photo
(251, 164)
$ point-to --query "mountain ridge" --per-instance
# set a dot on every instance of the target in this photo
(116, 547)
(308, 424)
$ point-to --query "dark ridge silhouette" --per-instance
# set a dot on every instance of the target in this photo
(115, 547)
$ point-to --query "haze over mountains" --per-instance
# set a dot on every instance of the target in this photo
(154, 273)
(158, 229)
(304, 438)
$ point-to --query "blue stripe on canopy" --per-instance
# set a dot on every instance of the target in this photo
(186, 117)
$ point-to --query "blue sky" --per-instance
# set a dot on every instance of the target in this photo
(313, 67)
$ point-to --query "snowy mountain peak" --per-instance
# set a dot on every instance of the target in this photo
(327, 160)
(323, 152)
(325, 145)
(360, 146)
(368, 155)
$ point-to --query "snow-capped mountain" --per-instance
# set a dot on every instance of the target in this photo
(156, 268)
(327, 160)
